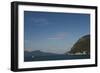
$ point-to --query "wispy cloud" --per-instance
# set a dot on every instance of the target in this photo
(28, 49)
(40, 21)
(59, 36)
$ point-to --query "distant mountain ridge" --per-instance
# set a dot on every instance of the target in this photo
(38, 53)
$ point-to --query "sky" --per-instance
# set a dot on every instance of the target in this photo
(53, 32)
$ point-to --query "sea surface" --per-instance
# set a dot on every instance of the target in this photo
(55, 57)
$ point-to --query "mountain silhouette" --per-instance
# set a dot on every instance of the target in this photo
(38, 53)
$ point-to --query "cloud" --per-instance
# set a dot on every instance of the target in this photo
(28, 49)
(58, 36)
(40, 21)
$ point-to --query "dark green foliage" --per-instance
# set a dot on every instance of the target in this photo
(83, 44)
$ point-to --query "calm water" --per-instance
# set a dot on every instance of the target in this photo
(55, 57)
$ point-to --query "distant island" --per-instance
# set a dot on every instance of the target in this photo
(80, 50)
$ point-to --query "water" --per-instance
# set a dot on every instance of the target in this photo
(55, 57)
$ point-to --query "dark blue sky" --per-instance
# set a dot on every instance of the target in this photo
(54, 32)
